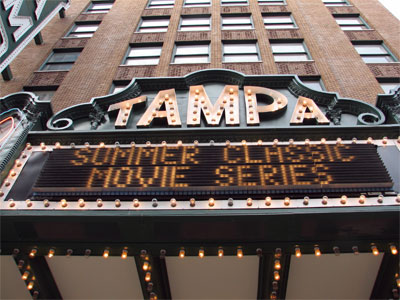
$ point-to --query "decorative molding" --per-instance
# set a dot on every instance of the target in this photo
(85, 17)
(193, 36)
(129, 72)
(390, 105)
(157, 12)
(68, 43)
(235, 9)
(196, 11)
(239, 35)
(51, 78)
(276, 34)
(343, 10)
(385, 70)
(308, 68)
(363, 35)
(273, 8)
(157, 37)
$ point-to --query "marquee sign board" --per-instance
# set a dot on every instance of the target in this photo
(21, 21)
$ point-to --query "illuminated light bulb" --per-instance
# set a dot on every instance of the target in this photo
(286, 201)
(57, 145)
(33, 253)
(239, 252)
(147, 277)
(249, 202)
(384, 140)
(25, 275)
(355, 250)
(275, 142)
(197, 91)
(230, 202)
(166, 96)
(375, 250)
(11, 203)
(117, 203)
(259, 142)
(145, 266)
(211, 202)
(307, 142)
(51, 253)
(28, 146)
(179, 143)
(124, 254)
(230, 91)
(380, 199)
(173, 202)
(127, 106)
(102, 145)
(276, 275)
(136, 202)
(106, 253)
(220, 252)
(81, 203)
(323, 141)
(182, 253)
(325, 200)
(278, 253)
(338, 141)
(393, 249)
(201, 252)
(297, 252)
(133, 144)
(273, 296)
(370, 140)
(28, 202)
(305, 103)
(153, 296)
(277, 265)
(291, 141)
(64, 203)
(248, 92)
(13, 173)
(268, 201)
(317, 251)
(30, 285)
(192, 202)
(398, 282)
(306, 200)
(336, 250)
(361, 200)
(343, 199)
(244, 142)
(87, 145)
(99, 202)
(354, 140)
(148, 143)
(72, 145)
(69, 252)
(227, 142)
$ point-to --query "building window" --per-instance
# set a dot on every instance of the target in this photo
(143, 55)
(240, 52)
(161, 3)
(351, 23)
(388, 84)
(289, 52)
(197, 3)
(271, 2)
(60, 61)
(336, 2)
(236, 22)
(83, 31)
(44, 95)
(195, 24)
(234, 2)
(99, 7)
(374, 53)
(154, 25)
(278, 21)
(191, 53)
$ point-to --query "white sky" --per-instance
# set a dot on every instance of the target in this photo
(393, 6)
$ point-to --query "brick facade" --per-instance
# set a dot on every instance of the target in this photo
(99, 64)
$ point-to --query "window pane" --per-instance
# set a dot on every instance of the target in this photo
(377, 59)
(105, 6)
(117, 89)
(280, 26)
(85, 28)
(64, 57)
(348, 21)
(195, 21)
(197, 2)
(290, 57)
(387, 86)
(142, 61)
(145, 51)
(234, 2)
(241, 58)
(191, 49)
(195, 28)
(44, 95)
(57, 67)
(287, 47)
(240, 48)
(277, 19)
(233, 27)
(236, 20)
(80, 35)
(155, 29)
(155, 23)
(370, 49)
(190, 59)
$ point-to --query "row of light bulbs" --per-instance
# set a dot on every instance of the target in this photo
(192, 201)
(220, 252)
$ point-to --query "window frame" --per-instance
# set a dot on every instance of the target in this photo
(314, 79)
(271, 2)
(388, 53)
(337, 3)
(238, 54)
(234, 2)
(202, 4)
(143, 19)
(90, 10)
(293, 22)
(47, 62)
(202, 43)
(152, 6)
(362, 23)
(393, 81)
(288, 53)
(194, 26)
(227, 16)
(137, 46)
(76, 25)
